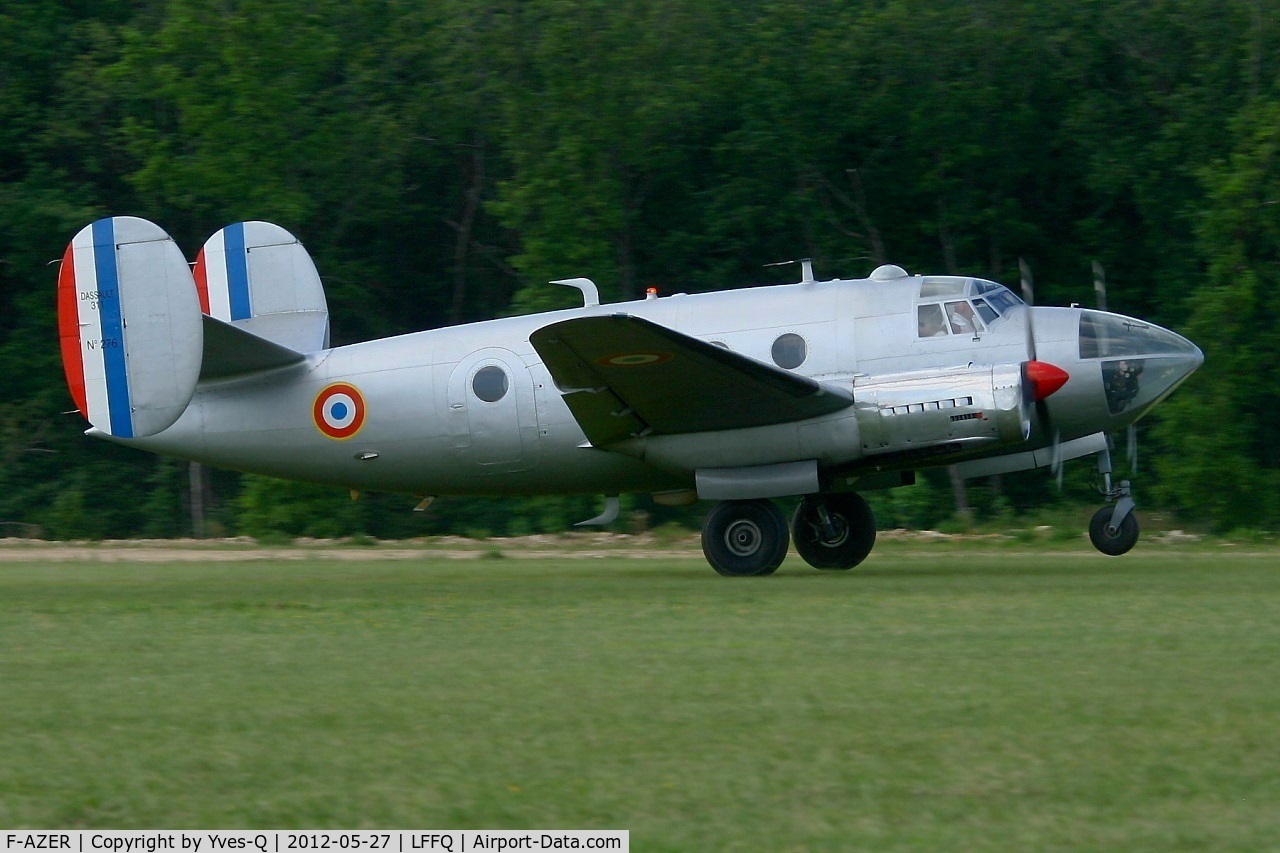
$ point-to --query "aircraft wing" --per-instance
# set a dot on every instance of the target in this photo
(624, 376)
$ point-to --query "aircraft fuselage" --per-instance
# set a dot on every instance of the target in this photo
(818, 390)
(426, 431)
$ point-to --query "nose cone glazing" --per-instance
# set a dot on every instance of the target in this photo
(1141, 362)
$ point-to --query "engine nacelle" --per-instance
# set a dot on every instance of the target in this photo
(917, 410)
(900, 413)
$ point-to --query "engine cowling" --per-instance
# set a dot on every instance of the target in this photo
(936, 408)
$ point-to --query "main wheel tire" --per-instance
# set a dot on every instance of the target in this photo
(1112, 541)
(745, 538)
(851, 515)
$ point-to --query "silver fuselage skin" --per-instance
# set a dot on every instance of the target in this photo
(426, 433)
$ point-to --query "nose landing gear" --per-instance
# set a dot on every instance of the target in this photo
(1113, 530)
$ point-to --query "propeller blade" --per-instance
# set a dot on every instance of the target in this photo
(1028, 283)
(1028, 296)
(1132, 438)
(1056, 465)
(1041, 379)
(1100, 285)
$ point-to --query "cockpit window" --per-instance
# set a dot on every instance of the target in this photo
(988, 313)
(1002, 299)
(942, 285)
(951, 286)
(963, 320)
(930, 322)
(949, 312)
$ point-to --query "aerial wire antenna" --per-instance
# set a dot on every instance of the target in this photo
(806, 268)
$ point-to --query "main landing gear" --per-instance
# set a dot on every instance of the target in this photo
(1113, 530)
(745, 538)
(833, 532)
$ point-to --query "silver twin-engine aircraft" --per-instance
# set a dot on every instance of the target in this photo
(818, 390)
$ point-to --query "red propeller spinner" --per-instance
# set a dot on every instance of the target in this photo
(1043, 379)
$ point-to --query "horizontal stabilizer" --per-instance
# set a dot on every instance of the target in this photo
(622, 376)
(231, 351)
(258, 277)
(129, 324)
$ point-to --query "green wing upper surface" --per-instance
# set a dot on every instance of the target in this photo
(624, 376)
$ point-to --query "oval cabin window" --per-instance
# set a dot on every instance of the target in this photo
(789, 351)
(490, 384)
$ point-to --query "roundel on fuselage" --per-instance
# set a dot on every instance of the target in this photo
(339, 410)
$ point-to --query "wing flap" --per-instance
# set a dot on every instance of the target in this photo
(623, 375)
(603, 416)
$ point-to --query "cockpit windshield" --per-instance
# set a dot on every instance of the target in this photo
(1002, 299)
(984, 304)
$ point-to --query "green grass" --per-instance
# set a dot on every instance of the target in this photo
(936, 699)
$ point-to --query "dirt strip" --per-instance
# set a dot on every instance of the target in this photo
(566, 546)
(241, 549)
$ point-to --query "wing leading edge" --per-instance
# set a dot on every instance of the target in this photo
(624, 376)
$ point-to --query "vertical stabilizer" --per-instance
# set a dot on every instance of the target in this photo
(258, 277)
(130, 327)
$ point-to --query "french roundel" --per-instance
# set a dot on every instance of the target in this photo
(634, 359)
(339, 411)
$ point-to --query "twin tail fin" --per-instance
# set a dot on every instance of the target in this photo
(258, 277)
(140, 328)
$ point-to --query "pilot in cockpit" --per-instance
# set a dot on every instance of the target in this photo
(962, 320)
(930, 322)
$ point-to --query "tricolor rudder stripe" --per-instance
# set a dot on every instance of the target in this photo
(129, 327)
(222, 275)
(198, 272)
(92, 329)
(69, 331)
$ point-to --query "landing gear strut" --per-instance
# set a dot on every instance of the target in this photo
(834, 531)
(1113, 530)
(745, 538)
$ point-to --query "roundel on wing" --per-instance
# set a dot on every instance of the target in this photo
(339, 411)
(634, 359)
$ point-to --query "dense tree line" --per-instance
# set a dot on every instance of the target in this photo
(443, 160)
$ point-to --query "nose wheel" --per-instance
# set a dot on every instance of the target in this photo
(1113, 530)
(1113, 537)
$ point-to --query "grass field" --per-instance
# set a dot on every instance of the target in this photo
(935, 699)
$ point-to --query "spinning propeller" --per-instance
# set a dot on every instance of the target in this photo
(1040, 379)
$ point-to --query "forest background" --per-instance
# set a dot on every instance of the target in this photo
(443, 160)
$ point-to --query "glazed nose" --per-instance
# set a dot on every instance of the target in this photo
(1141, 362)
